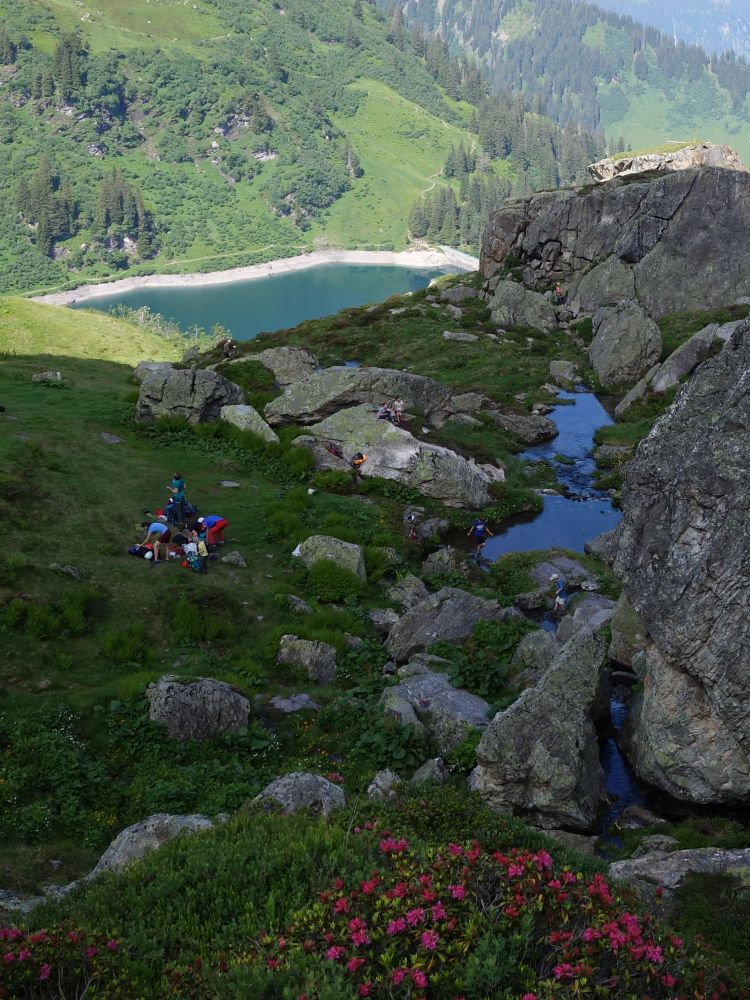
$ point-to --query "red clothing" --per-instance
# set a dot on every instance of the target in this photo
(216, 531)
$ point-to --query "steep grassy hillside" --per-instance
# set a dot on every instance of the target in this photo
(34, 329)
(580, 62)
(160, 134)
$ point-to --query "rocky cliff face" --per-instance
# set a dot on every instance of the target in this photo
(686, 158)
(683, 557)
(672, 242)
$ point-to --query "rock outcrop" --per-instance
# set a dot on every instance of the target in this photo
(144, 368)
(682, 557)
(196, 709)
(246, 418)
(426, 699)
(300, 790)
(450, 614)
(134, 841)
(332, 389)
(287, 364)
(646, 239)
(540, 757)
(195, 394)
(393, 453)
(317, 659)
(686, 158)
(626, 344)
(514, 305)
(668, 869)
(347, 555)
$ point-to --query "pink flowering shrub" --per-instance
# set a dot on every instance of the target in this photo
(409, 930)
(60, 962)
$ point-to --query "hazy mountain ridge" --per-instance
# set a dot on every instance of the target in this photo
(717, 25)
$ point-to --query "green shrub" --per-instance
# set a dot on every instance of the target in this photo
(131, 644)
(511, 571)
(248, 375)
(463, 757)
(333, 481)
(194, 622)
(482, 665)
(330, 583)
(389, 744)
(376, 562)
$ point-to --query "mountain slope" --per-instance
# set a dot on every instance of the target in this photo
(579, 62)
(717, 25)
(212, 134)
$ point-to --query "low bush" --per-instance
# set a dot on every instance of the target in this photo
(330, 583)
(126, 645)
(511, 572)
(483, 664)
(333, 481)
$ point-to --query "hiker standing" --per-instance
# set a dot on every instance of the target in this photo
(398, 409)
(479, 532)
(177, 489)
(157, 534)
(561, 594)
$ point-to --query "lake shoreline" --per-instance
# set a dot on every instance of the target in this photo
(415, 259)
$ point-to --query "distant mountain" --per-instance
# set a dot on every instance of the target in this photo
(576, 61)
(717, 25)
(164, 134)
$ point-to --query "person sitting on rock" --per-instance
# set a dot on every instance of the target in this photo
(385, 412)
(558, 296)
(398, 409)
(479, 532)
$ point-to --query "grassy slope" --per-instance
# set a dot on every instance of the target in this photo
(33, 328)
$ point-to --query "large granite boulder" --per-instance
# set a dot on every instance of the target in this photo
(393, 453)
(144, 368)
(682, 556)
(332, 389)
(705, 155)
(246, 418)
(655, 233)
(317, 659)
(407, 591)
(529, 428)
(449, 615)
(194, 393)
(133, 842)
(685, 359)
(300, 790)
(540, 757)
(593, 611)
(287, 364)
(626, 344)
(514, 305)
(426, 699)
(196, 709)
(667, 870)
(536, 651)
(347, 555)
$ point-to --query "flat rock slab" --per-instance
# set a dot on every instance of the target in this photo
(300, 790)
(668, 870)
(294, 703)
(110, 438)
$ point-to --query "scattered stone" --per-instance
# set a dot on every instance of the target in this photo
(318, 659)
(658, 842)
(571, 570)
(389, 669)
(458, 294)
(668, 870)
(455, 312)
(44, 685)
(66, 569)
(235, 559)
(565, 374)
(47, 377)
(433, 527)
(229, 484)
(246, 418)
(574, 841)
(514, 305)
(446, 561)
(407, 592)
(297, 606)
(383, 619)
(196, 709)
(450, 614)
(347, 555)
(197, 395)
(110, 438)
(300, 790)
(384, 786)
(625, 346)
(540, 757)
(590, 612)
(426, 699)
(294, 703)
(529, 428)
(637, 817)
(433, 771)
(460, 337)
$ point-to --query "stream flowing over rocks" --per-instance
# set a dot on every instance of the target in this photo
(682, 555)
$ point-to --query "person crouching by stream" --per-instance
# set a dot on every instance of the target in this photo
(157, 535)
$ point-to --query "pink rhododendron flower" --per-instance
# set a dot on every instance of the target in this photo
(439, 912)
(44, 971)
(668, 981)
(430, 940)
(397, 926)
(515, 870)
(355, 963)
(360, 938)
(335, 953)
(365, 989)
(419, 978)
(24, 953)
(456, 850)
(9, 956)
(112, 945)
(529, 996)
(90, 951)
(564, 971)
(654, 954)
(457, 891)
(398, 976)
(341, 905)
(543, 860)
(415, 917)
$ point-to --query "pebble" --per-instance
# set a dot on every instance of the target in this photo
(110, 438)
(228, 484)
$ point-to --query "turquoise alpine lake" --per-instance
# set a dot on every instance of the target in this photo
(277, 302)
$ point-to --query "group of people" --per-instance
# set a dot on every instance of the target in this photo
(392, 411)
(177, 532)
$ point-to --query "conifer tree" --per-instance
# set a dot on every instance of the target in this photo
(8, 48)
